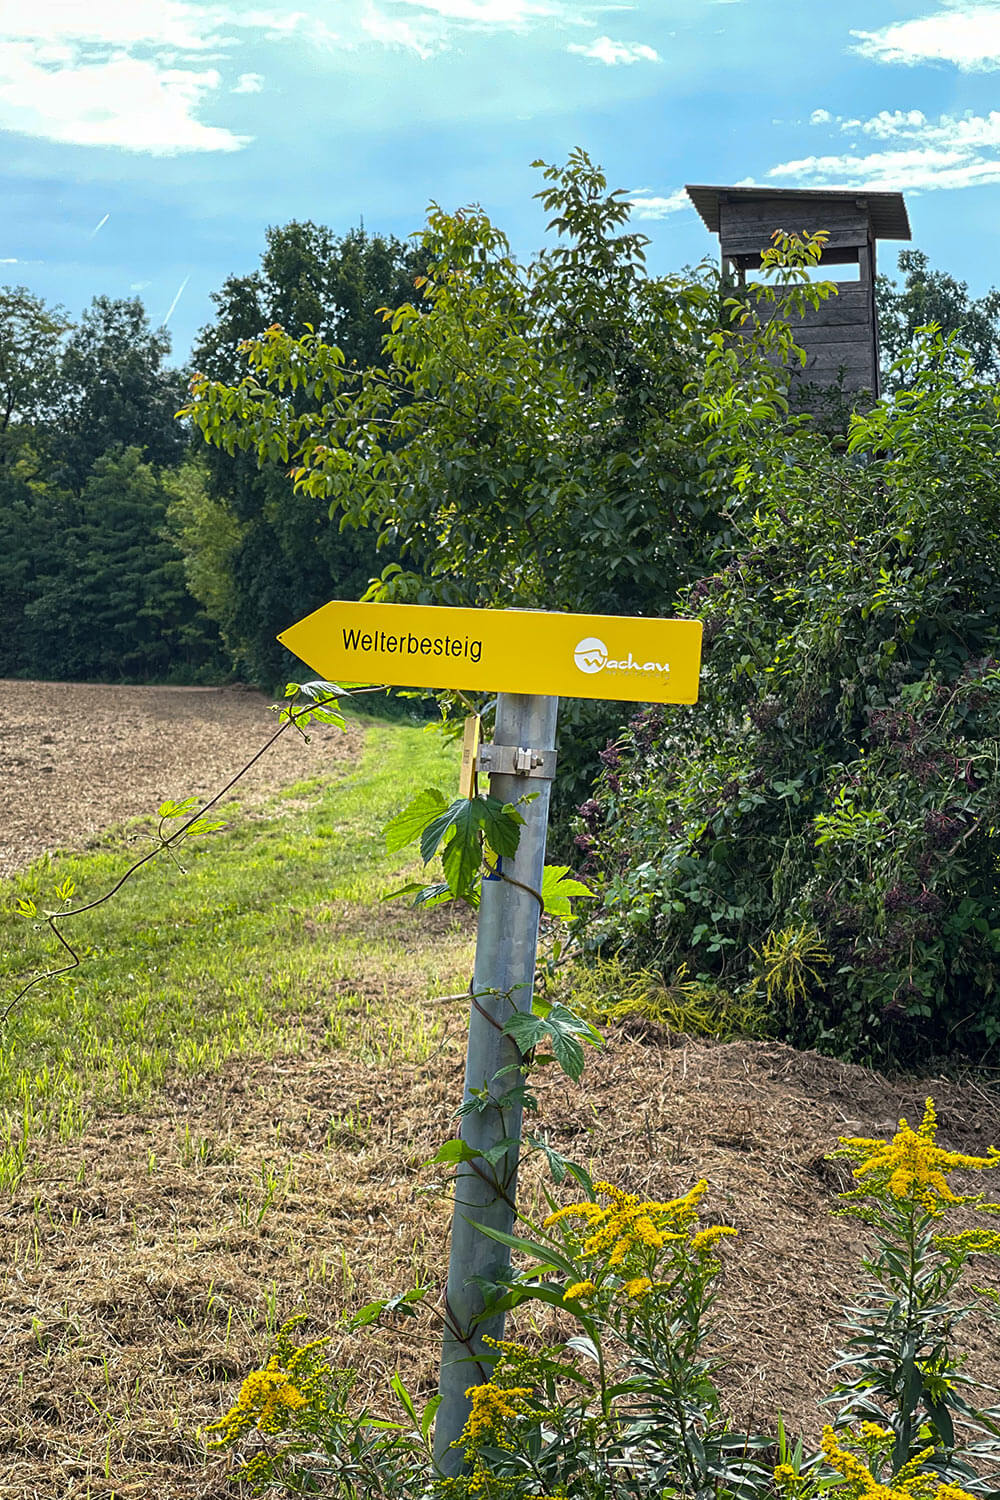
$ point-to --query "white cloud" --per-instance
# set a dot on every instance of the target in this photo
(131, 103)
(9, 260)
(394, 31)
(923, 168)
(614, 53)
(890, 122)
(505, 14)
(140, 75)
(646, 205)
(820, 117)
(953, 151)
(962, 33)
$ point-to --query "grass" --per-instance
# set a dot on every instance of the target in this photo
(271, 938)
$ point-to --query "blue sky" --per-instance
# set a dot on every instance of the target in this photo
(146, 144)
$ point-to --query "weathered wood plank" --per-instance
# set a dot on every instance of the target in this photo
(829, 358)
(777, 213)
(852, 306)
(840, 242)
(858, 334)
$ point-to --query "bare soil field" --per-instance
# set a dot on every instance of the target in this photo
(76, 758)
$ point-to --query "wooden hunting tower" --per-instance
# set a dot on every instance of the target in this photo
(840, 337)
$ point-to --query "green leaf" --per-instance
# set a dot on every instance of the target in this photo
(395, 1381)
(411, 822)
(545, 1254)
(177, 809)
(435, 830)
(562, 1027)
(430, 1411)
(557, 889)
(451, 1152)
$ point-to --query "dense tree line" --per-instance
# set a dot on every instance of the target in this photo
(126, 551)
(91, 584)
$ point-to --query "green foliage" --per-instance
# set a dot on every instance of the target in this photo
(605, 989)
(114, 391)
(91, 583)
(474, 835)
(30, 337)
(789, 960)
(928, 296)
(839, 775)
(100, 584)
(258, 554)
(525, 435)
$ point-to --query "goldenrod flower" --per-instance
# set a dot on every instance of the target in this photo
(913, 1482)
(265, 1396)
(971, 1241)
(493, 1407)
(706, 1238)
(578, 1289)
(911, 1166)
(637, 1287)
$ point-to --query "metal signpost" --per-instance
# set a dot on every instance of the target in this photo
(531, 659)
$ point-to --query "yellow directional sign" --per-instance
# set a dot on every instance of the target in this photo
(502, 650)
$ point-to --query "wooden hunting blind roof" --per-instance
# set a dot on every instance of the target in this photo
(886, 211)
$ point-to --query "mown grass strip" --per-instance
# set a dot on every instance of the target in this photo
(272, 938)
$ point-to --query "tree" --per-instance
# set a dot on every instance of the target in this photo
(109, 600)
(280, 557)
(115, 391)
(30, 338)
(928, 296)
(529, 435)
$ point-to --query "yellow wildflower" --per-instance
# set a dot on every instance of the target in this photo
(911, 1166)
(971, 1241)
(573, 1211)
(913, 1481)
(706, 1238)
(264, 1399)
(578, 1289)
(637, 1287)
(493, 1408)
(785, 1475)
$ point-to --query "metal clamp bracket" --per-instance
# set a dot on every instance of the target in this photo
(511, 760)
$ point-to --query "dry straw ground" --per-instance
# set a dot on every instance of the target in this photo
(146, 1262)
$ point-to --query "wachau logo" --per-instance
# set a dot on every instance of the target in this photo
(591, 655)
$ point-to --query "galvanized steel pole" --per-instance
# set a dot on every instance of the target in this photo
(504, 974)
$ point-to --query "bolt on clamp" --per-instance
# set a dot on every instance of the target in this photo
(514, 760)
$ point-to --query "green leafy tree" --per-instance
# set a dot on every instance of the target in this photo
(279, 557)
(115, 391)
(30, 338)
(110, 601)
(929, 296)
(526, 437)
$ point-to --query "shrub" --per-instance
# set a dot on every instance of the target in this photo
(839, 777)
